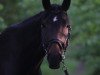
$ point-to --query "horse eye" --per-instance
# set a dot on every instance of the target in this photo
(68, 26)
(43, 26)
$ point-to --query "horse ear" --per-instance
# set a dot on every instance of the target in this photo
(65, 5)
(46, 4)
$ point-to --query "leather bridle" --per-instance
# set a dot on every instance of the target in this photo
(57, 41)
(56, 9)
(62, 47)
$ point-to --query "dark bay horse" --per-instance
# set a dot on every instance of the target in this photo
(23, 45)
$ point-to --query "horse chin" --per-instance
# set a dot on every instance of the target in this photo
(54, 56)
(54, 66)
(54, 61)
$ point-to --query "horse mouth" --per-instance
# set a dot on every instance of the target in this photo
(54, 66)
(54, 61)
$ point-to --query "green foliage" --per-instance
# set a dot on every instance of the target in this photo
(85, 45)
(1, 7)
(2, 24)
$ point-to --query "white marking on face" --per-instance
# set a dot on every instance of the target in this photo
(55, 19)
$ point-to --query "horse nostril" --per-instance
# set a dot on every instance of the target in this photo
(55, 57)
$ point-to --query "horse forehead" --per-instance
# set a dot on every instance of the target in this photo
(55, 18)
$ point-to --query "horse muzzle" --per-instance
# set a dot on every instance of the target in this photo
(54, 61)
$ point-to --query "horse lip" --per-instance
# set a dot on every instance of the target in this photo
(54, 66)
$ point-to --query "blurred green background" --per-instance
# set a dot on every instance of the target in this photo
(83, 53)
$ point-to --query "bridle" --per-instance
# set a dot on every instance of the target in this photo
(63, 8)
(61, 45)
(57, 41)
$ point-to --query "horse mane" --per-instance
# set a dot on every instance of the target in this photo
(25, 33)
(34, 19)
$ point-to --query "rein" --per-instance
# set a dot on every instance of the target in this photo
(64, 67)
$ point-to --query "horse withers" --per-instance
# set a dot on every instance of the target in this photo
(24, 45)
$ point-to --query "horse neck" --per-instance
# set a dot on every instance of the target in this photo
(33, 28)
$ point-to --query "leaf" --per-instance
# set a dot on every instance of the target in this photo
(1, 7)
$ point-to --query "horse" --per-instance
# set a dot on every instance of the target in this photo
(24, 45)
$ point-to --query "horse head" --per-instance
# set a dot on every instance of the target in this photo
(55, 31)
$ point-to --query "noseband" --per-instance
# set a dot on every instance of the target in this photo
(57, 41)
